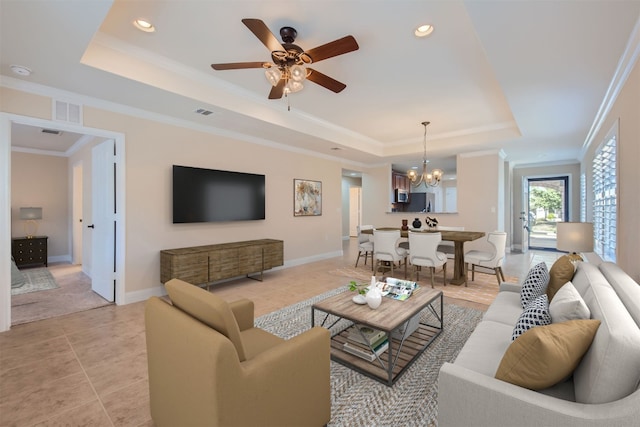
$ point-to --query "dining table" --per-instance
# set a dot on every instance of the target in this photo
(458, 237)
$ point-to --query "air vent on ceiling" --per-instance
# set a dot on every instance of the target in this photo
(64, 111)
(52, 131)
(203, 111)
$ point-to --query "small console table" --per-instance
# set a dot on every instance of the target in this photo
(200, 265)
(28, 251)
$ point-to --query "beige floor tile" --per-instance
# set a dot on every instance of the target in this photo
(47, 400)
(129, 407)
(14, 356)
(114, 375)
(91, 414)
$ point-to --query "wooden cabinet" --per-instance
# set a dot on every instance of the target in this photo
(206, 264)
(29, 251)
(400, 181)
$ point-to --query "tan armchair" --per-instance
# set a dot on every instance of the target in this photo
(209, 365)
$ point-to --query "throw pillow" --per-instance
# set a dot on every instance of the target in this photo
(567, 304)
(534, 284)
(536, 313)
(561, 272)
(547, 355)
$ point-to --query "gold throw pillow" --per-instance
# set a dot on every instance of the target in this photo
(561, 272)
(546, 355)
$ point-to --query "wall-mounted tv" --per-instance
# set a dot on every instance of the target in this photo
(208, 195)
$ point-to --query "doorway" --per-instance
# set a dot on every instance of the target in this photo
(79, 251)
(547, 204)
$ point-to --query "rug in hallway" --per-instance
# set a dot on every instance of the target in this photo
(357, 400)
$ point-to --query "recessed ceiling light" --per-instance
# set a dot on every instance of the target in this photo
(424, 30)
(144, 25)
(21, 70)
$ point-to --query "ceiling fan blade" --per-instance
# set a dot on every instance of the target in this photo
(263, 33)
(277, 90)
(334, 48)
(238, 65)
(325, 81)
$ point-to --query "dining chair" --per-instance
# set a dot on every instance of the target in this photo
(490, 260)
(364, 244)
(423, 253)
(386, 249)
(446, 246)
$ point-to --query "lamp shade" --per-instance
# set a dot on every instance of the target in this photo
(575, 237)
(30, 213)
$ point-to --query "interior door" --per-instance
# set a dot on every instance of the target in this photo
(355, 213)
(548, 199)
(103, 225)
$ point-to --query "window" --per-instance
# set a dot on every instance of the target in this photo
(583, 198)
(604, 200)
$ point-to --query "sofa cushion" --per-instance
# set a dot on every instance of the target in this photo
(536, 313)
(485, 347)
(610, 370)
(208, 308)
(505, 308)
(561, 272)
(567, 304)
(627, 289)
(534, 284)
(546, 355)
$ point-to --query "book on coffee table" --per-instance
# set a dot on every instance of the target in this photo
(363, 351)
(365, 335)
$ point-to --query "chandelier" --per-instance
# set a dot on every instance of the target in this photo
(431, 179)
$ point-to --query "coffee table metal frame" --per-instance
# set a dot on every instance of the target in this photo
(389, 317)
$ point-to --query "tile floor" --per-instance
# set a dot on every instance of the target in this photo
(89, 368)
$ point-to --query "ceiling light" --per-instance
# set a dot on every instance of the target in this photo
(144, 25)
(21, 70)
(431, 179)
(424, 30)
(273, 75)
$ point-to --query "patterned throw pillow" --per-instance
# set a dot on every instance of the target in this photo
(536, 313)
(535, 283)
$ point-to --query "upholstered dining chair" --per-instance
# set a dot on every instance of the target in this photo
(210, 366)
(423, 253)
(490, 260)
(446, 246)
(365, 244)
(386, 249)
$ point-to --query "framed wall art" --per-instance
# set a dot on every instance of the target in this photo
(307, 197)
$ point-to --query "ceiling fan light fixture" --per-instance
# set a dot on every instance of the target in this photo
(424, 30)
(298, 73)
(273, 75)
(293, 86)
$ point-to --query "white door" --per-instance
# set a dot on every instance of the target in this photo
(103, 224)
(76, 216)
(355, 213)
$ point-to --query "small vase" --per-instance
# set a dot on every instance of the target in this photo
(417, 223)
(374, 295)
(405, 227)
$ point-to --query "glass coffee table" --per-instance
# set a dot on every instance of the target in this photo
(391, 317)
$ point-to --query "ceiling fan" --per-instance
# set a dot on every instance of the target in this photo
(290, 63)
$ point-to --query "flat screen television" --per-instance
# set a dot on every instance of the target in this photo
(208, 195)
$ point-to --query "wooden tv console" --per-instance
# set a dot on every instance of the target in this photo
(206, 264)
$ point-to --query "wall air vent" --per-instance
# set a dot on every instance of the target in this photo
(203, 112)
(52, 131)
(69, 112)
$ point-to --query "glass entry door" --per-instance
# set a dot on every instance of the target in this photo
(548, 205)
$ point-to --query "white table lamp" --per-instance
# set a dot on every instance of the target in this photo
(30, 215)
(575, 237)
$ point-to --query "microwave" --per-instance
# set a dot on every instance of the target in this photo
(402, 196)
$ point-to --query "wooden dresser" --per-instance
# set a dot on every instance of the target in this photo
(29, 251)
(206, 264)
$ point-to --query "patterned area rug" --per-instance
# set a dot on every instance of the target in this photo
(36, 279)
(357, 400)
(482, 290)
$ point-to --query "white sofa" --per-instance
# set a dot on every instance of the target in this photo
(604, 389)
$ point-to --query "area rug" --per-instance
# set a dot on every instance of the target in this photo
(36, 279)
(357, 400)
(482, 290)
